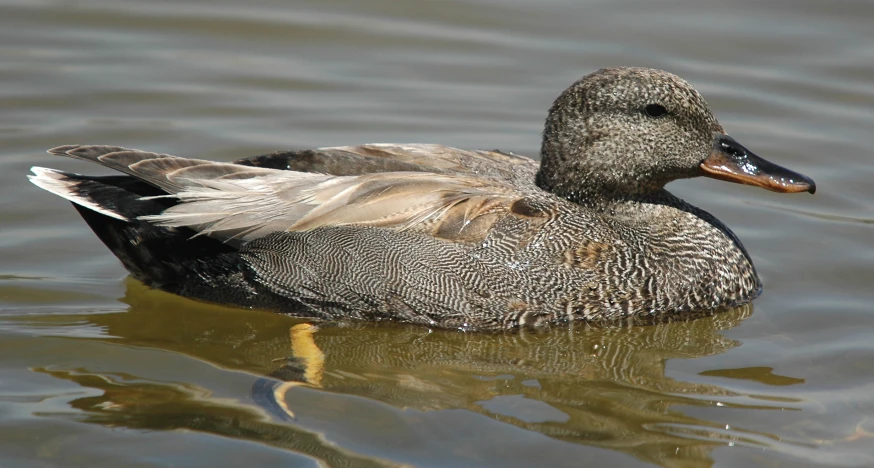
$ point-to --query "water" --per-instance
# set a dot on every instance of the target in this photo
(97, 370)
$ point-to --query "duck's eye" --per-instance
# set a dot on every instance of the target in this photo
(655, 110)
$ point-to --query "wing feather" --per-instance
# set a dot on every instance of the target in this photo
(388, 157)
(246, 209)
(449, 193)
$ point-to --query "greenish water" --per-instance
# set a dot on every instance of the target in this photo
(97, 370)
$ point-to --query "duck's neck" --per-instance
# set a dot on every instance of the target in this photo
(596, 182)
(601, 194)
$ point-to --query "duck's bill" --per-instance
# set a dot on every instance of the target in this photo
(730, 161)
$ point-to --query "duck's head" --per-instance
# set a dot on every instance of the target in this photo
(624, 133)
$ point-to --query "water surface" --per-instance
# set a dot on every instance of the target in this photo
(98, 370)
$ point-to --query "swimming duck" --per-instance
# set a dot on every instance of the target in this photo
(445, 237)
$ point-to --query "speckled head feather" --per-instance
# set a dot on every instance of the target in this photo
(600, 142)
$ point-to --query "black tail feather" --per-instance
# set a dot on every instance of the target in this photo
(169, 259)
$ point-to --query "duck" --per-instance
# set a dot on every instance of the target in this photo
(443, 237)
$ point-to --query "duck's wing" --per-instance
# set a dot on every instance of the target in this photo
(373, 158)
(170, 173)
(238, 203)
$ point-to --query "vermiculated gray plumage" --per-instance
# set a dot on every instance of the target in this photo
(440, 236)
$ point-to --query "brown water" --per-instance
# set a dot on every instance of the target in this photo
(97, 370)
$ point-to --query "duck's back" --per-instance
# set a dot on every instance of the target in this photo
(376, 158)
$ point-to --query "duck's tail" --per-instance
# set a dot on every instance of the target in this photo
(161, 257)
(87, 192)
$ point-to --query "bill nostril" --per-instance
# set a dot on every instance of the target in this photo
(733, 150)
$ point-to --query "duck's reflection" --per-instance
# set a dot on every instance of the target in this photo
(604, 387)
(601, 387)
